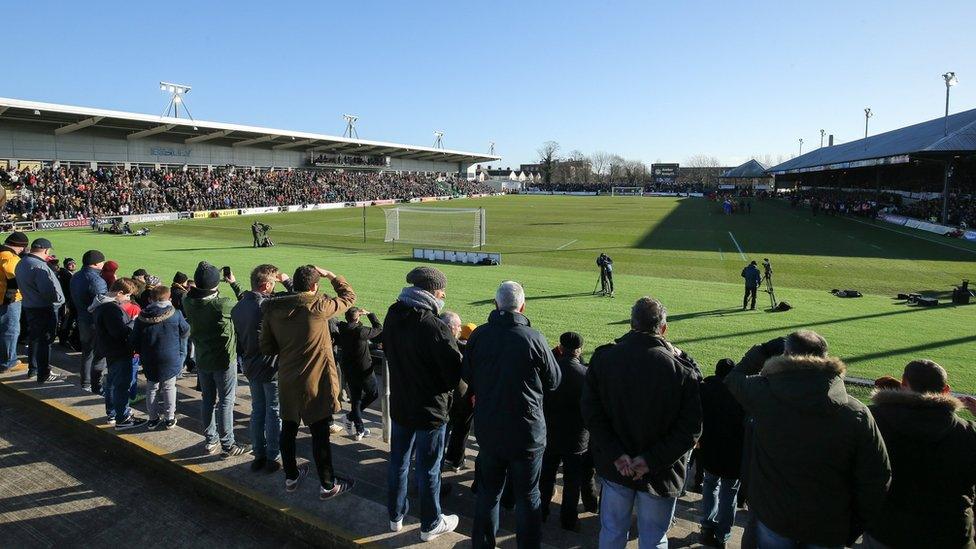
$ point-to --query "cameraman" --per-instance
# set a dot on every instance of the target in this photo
(606, 273)
(753, 278)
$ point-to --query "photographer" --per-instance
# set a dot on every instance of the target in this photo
(606, 274)
(753, 279)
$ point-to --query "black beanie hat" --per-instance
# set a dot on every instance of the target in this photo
(206, 277)
(571, 341)
(17, 238)
(92, 257)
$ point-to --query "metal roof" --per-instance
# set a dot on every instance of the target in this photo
(893, 147)
(67, 118)
(748, 170)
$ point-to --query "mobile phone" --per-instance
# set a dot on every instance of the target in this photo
(226, 271)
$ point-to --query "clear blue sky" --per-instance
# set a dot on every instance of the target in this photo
(647, 80)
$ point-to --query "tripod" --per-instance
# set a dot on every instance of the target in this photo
(599, 279)
(769, 290)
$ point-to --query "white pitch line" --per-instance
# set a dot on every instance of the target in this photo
(875, 246)
(734, 241)
(721, 254)
(568, 243)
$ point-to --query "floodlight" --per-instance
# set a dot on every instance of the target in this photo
(950, 79)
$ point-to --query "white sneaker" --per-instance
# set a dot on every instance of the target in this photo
(446, 525)
(396, 525)
(364, 434)
(292, 485)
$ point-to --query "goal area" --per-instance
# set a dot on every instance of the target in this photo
(436, 226)
(627, 191)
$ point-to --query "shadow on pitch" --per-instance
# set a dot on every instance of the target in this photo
(537, 298)
(913, 349)
(206, 249)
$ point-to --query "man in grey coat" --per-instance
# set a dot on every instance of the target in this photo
(42, 297)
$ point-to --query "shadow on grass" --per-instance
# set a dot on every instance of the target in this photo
(538, 298)
(912, 349)
(206, 249)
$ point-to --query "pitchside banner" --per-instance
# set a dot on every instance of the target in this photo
(151, 218)
(666, 174)
(61, 223)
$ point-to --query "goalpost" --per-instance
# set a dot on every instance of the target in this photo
(627, 191)
(436, 226)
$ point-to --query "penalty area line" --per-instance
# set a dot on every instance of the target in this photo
(568, 243)
(737, 247)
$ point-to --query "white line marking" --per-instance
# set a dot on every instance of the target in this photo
(912, 235)
(742, 255)
(722, 255)
(875, 246)
(568, 243)
(360, 231)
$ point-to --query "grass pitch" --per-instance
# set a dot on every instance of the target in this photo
(682, 251)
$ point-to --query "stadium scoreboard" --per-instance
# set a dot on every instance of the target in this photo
(666, 174)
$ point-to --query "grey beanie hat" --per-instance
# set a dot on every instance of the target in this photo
(427, 278)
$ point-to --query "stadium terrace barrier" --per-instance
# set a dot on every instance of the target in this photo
(913, 223)
(47, 224)
(561, 193)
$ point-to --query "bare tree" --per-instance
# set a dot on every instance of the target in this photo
(600, 161)
(617, 165)
(547, 160)
(702, 161)
(581, 168)
(635, 171)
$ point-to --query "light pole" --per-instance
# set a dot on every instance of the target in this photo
(867, 114)
(950, 81)
(801, 146)
(822, 132)
(176, 93)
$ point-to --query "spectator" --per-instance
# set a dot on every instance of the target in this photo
(66, 331)
(508, 366)
(720, 455)
(462, 403)
(567, 439)
(261, 369)
(799, 402)
(642, 408)
(931, 449)
(41, 297)
(424, 368)
(86, 285)
(112, 330)
(212, 334)
(108, 271)
(10, 310)
(357, 366)
(177, 292)
(296, 329)
(157, 337)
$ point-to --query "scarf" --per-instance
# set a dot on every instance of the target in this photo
(422, 299)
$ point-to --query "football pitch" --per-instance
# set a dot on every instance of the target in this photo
(682, 251)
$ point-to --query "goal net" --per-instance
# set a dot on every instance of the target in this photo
(627, 191)
(436, 226)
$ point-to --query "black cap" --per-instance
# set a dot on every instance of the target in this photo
(69, 260)
(92, 257)
(41, 244)
(571, 341)
(180, 277)
(18, 239)
(140, 272)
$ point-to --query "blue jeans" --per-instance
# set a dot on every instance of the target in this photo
(718, 505)
(771, 540)
(265, 421)
(219, 391)
(492, 472)
(654, 515)
(9, 331)
(117, 391)
(429, 449)
(42, 328)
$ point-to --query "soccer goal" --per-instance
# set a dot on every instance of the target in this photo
(627, 191)
(436, 226)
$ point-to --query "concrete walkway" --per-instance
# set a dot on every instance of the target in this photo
(358, 518)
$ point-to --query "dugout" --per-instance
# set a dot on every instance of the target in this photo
(932, 158)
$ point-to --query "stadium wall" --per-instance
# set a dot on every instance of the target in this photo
(20, 141)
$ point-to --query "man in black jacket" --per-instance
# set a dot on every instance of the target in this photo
(932, 452)
(818, 470)
(424, 365)
(508, 366)
(357, 366)
(720, 455)
(261, 370)
(567, 439)
(642, 408)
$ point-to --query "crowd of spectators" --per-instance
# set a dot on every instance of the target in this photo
(962, 211)
(68, 193)
(349, 160)
(896, 473)
(868, 203)
(607, 187)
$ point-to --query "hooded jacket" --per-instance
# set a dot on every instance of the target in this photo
(112, 328)
(641, 399)
(509, 367)
(424, 364)
(211, 328)
(566, 431)
(296, 329)
(818, 469)
(720, 445)
(353, 340)
(157, 335)
(85, 285)
(932, 454)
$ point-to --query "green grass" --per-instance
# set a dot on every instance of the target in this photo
(678, 250)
